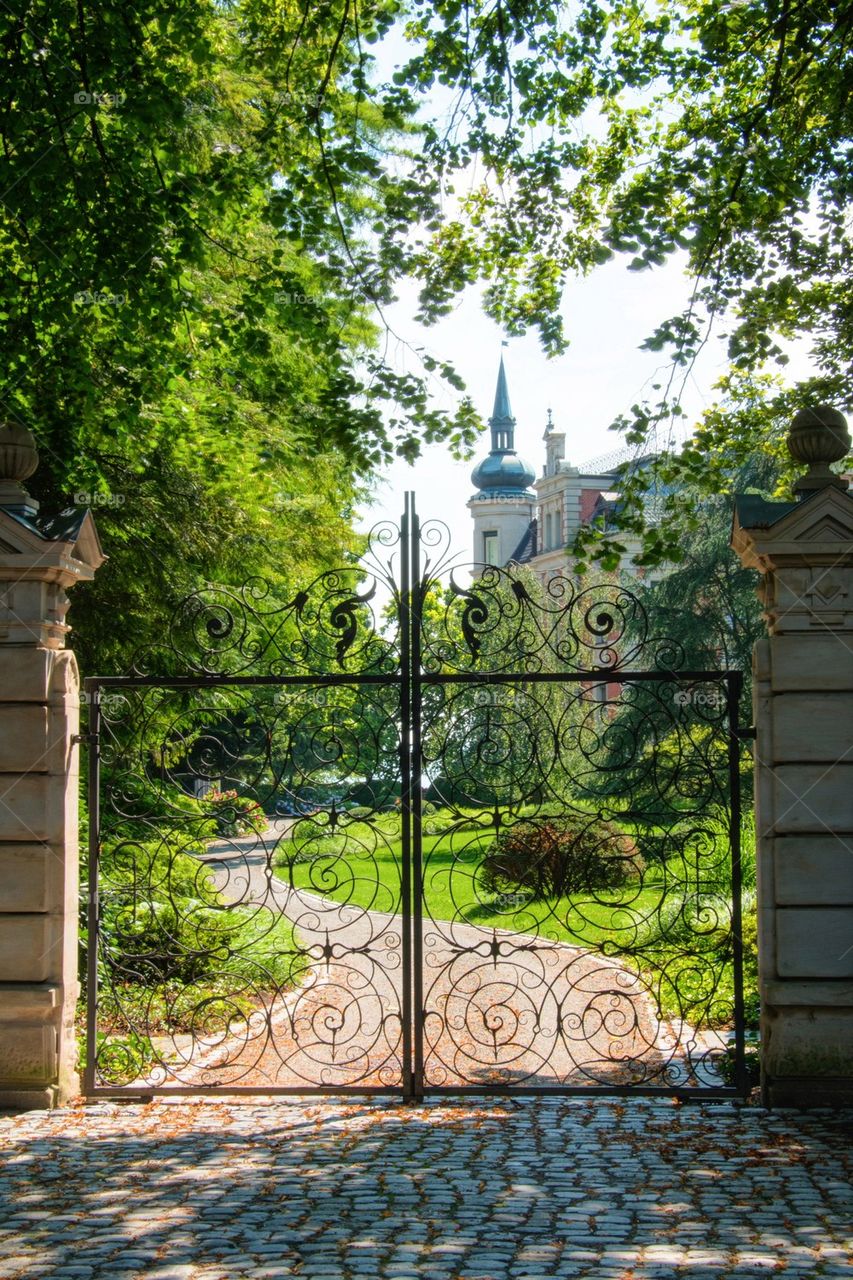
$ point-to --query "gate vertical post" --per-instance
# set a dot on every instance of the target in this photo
(405, 790)
(418, 585)
(803, 706)
(39, 714)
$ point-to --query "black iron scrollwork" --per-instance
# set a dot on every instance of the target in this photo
(330, 625)
(555, 798)
(506, 619)
(578, 883)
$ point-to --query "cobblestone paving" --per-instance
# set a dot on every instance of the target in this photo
(478, 1190)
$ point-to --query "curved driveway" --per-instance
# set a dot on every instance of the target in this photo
(500, 1008)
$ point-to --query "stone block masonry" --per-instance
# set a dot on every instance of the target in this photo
(803, 708)
(39, 781)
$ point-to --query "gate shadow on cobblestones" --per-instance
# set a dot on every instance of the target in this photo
(485, 1191)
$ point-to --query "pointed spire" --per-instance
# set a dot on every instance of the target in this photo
(503, 472)
(502, 411)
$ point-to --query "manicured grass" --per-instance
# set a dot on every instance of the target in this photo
(655, 926)
(362, 867)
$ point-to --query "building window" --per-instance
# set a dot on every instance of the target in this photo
(490, 547)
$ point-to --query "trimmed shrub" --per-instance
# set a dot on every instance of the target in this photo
(557, 858)
(162, 919)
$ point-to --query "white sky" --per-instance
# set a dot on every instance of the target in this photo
(604, 372)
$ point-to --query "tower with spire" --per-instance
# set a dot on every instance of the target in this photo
(520, 518)
(502, 506)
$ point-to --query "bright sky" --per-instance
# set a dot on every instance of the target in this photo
(603, 373)
(607, 316)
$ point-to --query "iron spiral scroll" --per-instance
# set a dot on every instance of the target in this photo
(414, 827)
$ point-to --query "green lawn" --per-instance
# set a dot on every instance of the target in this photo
(362, 867)
(656, 926)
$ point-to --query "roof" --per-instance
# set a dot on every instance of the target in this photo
(72, 529)
(755, 512)
(527, 547)
(64, 527)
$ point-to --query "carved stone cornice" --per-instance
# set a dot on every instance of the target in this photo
(804, 552)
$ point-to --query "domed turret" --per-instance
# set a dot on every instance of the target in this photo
(502, 506)
(503, 473)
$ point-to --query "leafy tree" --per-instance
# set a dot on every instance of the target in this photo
(165, 144)
(714, 134)
(510, 740)
(193, 199)
(208, 207)
(671, 740)
(708, 600)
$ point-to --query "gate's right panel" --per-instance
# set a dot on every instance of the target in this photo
(578, 855)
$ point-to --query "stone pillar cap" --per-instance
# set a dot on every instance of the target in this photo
(18, 460)
(818, 437)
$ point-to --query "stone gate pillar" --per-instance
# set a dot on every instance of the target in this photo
(40, 558)
(803, 707)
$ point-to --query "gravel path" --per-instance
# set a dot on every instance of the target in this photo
(528, 1189)
(500, 1007)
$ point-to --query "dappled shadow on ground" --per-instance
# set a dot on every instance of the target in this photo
(475, 1189)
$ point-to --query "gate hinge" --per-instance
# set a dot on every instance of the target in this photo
(90, 738)
(746, 734)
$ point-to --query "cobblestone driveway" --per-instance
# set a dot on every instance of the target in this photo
(481, 1191)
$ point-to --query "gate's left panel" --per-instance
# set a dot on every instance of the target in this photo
(244, 931)
(246, 872)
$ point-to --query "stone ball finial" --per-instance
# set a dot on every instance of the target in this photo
(818, 437)
(18, 460)
(18, 454)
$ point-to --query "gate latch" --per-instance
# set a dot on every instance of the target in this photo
(90, 738)
(745, 734)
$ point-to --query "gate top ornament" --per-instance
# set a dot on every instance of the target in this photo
(802, 548)
(506, 620)
(818, 437)
(332, 626)
(461, 618)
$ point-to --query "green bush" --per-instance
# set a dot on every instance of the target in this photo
(725, 1064)
(162, 919)
(556, 858)
(144, 802)
(168, 867)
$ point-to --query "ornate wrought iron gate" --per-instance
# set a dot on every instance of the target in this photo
(414, 831)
